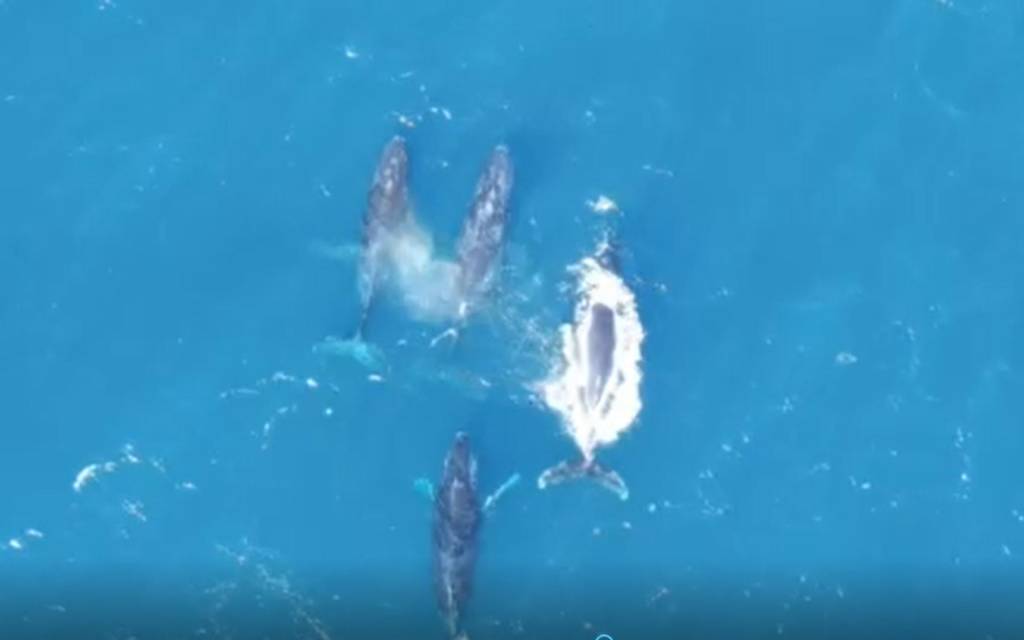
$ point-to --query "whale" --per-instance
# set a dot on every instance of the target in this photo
(480, 243)
(596, 391)
(387, 213)
(458, 515)
(457, 518)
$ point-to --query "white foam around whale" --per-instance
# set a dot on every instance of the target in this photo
(597, 424)
(425, 281)
(410, 266)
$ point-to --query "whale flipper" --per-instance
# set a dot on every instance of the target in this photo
(451, 332)
(425, 488)
(565, 471)
(492, 499)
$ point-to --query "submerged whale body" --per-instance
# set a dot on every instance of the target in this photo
(596, 389)
(457, 518)
(387, 212)
(483, 233)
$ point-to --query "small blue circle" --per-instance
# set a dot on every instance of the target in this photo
(604, 636)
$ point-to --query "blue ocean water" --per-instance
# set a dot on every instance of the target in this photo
(821, 209)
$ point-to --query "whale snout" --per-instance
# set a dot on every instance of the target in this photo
(460, 449)
(501, 165)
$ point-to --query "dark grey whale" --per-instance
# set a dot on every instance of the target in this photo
(457, 518)
(483, 233)
(386, 212)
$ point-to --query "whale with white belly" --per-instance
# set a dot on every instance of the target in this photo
(596, 389)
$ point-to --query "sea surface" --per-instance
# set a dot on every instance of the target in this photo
(821, 210)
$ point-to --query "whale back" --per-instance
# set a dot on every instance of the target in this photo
(388, 205)
(457, 519)
(483, 233)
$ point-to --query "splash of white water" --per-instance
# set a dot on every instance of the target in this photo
(425, 281)
(601, 422)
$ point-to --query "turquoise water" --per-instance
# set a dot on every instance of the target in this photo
(821, 206)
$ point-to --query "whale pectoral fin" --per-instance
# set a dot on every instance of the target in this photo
(424, 487)
(492, 499)
(452, 333)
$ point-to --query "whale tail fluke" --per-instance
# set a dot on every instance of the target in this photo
(566, 471)
(365, 353)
